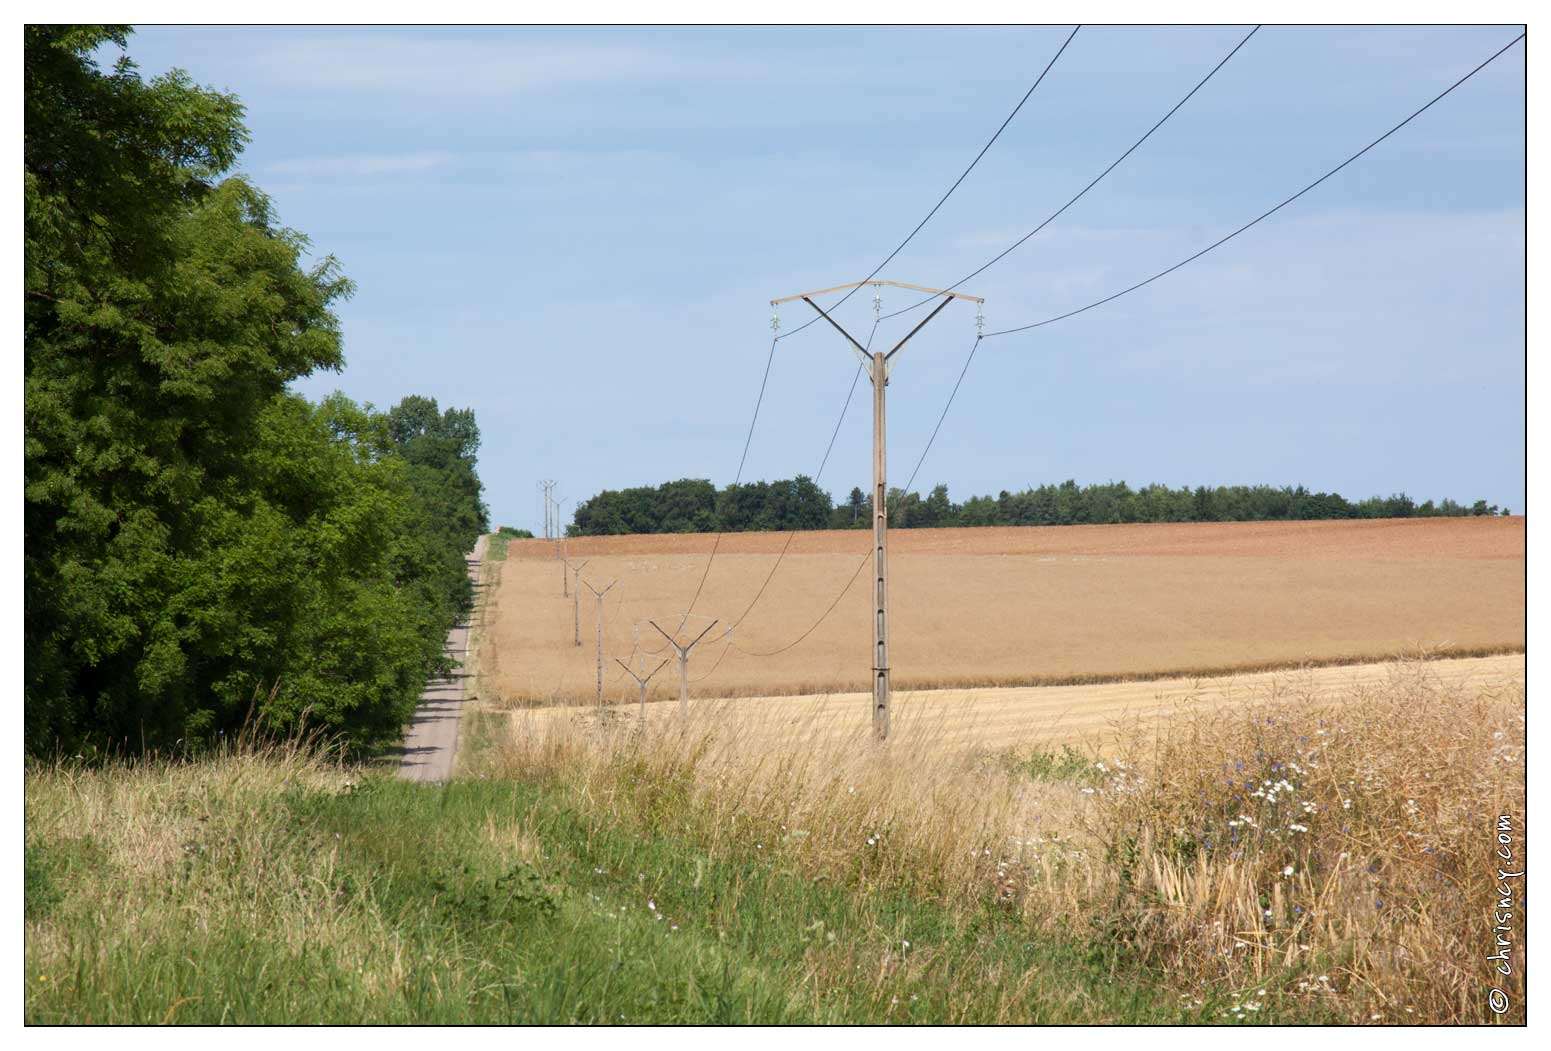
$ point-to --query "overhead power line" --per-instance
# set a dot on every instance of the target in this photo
(900, 247)
(1096, 180)
(1216, 244)
(1265, 214)
(1051, 218)
(792, 534)
(942, 200)
(944, 414)
(742, 460)
(822, 617)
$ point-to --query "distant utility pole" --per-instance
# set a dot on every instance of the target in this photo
(683, 652)
(878, 366)
(600, 595)
(576, 603)
(640, 681)
(548, 486)
(558, 538)
(563, 550)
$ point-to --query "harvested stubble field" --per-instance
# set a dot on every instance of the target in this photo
(1006, 606)
(1089, 718)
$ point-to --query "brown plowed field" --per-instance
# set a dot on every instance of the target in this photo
(1007, 606)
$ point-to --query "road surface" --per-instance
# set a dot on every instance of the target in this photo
(431, 739)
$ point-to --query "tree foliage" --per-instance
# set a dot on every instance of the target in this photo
(202, 545)
(800, 504)
(694, 505)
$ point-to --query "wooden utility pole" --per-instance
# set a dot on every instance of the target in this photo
(558, 539)
(576, 603)
(880, 550)
(600, 595)
(683, 652)
(565, 567)
(640, 681)
(548, 486)
(878, 369)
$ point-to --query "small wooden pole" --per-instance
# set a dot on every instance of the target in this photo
(641, 681)
(600, 595)
(683, 652)
(576, 604)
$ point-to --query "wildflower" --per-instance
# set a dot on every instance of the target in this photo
(1288, 871)
(650, 904)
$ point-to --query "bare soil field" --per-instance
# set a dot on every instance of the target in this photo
(1003, 606)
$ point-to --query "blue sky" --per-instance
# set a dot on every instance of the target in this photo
(577, 233)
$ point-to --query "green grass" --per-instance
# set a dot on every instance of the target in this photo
(1066, 765)
(495, 547)
(482, 901)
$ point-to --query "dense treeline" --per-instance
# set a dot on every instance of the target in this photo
(696, 506)
(202, 545)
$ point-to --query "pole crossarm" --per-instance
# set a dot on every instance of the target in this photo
(878, 284)
(642, 679)
(860, 350)
(675, 642)
(918, 328)
(683, 653)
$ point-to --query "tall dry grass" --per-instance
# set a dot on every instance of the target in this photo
(1324, 855)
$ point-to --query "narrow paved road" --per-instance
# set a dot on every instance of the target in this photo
(431, 739)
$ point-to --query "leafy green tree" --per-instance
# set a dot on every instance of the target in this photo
(201, 545)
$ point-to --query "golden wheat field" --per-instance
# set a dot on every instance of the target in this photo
(999, 606)
(1091, 717)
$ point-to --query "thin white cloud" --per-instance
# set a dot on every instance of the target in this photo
(498, 63)
(362, 165)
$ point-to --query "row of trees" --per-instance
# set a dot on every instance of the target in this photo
(202, 545)
(696, 506)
